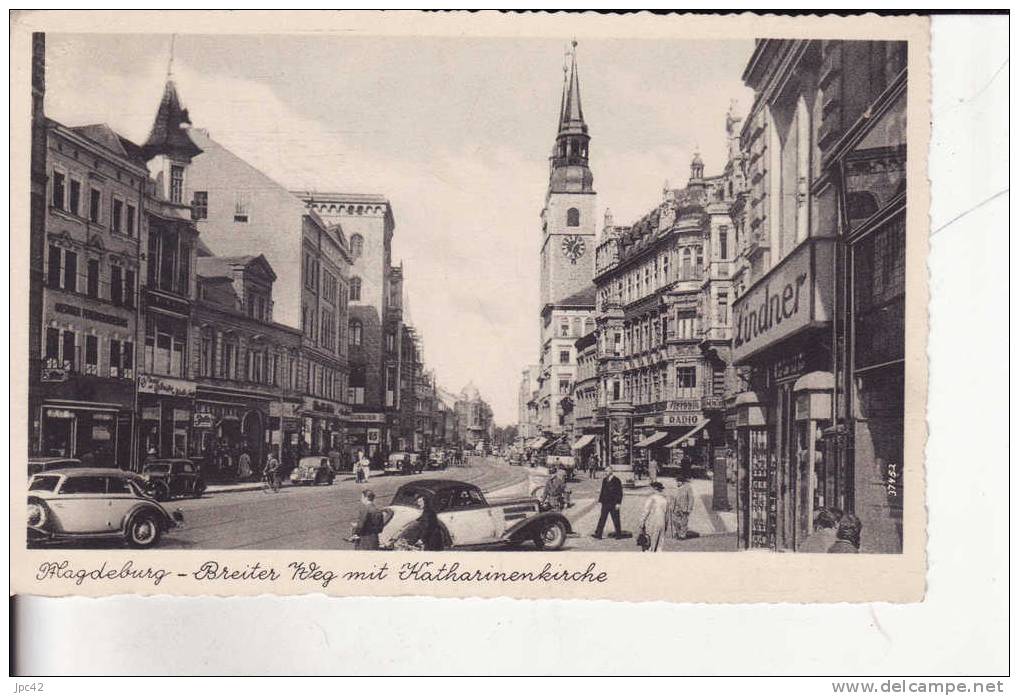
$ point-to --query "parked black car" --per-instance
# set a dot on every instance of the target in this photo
(170, 478)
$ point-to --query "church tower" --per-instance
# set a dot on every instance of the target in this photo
(567, 221)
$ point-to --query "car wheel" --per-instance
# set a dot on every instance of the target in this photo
(143, 531)
(551, 537)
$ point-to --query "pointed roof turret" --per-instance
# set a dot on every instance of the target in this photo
(571, 114)
(168, 136)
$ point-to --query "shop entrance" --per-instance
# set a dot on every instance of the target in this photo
(58, 433)
(253, 432)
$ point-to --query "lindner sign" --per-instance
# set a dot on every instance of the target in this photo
(794, 295)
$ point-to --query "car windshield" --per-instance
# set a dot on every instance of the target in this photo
(157, 468)
(44, 483)
(408, 497)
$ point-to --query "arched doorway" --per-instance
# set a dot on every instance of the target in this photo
(253, 433)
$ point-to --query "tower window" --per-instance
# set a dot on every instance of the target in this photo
(355, 289)
(573, 218)
(356, 245)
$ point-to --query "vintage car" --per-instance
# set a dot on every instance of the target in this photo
(94, 503)
(313, 471)
(171, 478)
(468, 519)
(437, 458)
(37, 465)
(400, 463)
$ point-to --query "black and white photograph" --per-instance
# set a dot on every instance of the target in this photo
(336, 333)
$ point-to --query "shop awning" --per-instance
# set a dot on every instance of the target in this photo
(652, 439)
(583, 442)
(537, 443)
(689, 434)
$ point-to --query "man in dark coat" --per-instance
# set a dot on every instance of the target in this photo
(611, 498)
(370, 522)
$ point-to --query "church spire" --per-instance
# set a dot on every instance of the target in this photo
(570, 171)
(571, 115)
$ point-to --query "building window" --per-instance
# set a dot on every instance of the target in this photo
(573, 218)
(165, 338)
(686, 382)
(241, 207)
(130, 220)
(200, 205)
(564, 357)
(355, 332)
(114, 358)
(129, 288)
(723, 243)
(564, 387)
(356, 246)
(686, 327)
(184, 271)
(355, 289)
(92, 278)
(91, 355)
(229, 360)
(723, 308)
(205, 356)
(95, 203)
(391, 341)
(116, 216)
(74, 204)
(68, 350)
(176, 183)
(51, 352)
(70, 271)
(329, 287)
(58, 190)
(53, 268)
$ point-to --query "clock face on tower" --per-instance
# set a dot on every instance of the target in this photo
(573, 247)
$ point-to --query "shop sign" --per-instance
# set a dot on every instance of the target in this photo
(150, 413)
(790, 366)
(53, 374)
(793, 295)
(374, 436)
(682, 418)
(289, 409)
(367, 418)
(712, 403)
(684, 405)
(90, 314)
(59, 413)
(318, 406)
(170, 304)
(204, 420)
(165, 386)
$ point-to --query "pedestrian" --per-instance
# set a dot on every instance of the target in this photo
(652, 469)
(370, 522)
(555, 491)
(847, 535)
(826, 521)
(654, 520)
(610, 498)
(244, 465)
(680, 505)
(427, 531)
(361, 468)
(595, 464)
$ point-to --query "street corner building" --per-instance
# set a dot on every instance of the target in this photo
(184, 304)
(818, 321)
(751, 325)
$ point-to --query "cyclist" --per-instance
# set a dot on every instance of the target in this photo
(271, 473)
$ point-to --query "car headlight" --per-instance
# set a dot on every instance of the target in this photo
(36, 515)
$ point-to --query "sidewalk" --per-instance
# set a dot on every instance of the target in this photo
(254, 485)
(716, 530)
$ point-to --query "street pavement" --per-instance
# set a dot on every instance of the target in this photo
(716, 531)
(246, 516)
(310, 517)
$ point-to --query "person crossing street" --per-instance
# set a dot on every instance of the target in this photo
(610, 498)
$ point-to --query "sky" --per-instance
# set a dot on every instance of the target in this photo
(456, 131)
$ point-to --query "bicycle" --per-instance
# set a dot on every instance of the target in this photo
(270, 481)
